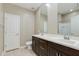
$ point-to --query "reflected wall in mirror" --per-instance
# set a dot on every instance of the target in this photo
(68, 18)
(43, 18)
(75, 25)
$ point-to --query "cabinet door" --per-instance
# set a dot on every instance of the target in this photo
(43, 51)
(52, 52)
(37, 46)
(33, 44)
(43, 48)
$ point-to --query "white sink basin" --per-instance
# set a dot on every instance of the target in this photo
(68, 41)
(63, 41)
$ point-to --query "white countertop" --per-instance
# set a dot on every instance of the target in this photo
(72, 43)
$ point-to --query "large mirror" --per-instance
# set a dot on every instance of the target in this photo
(68, 18)
(43, 18)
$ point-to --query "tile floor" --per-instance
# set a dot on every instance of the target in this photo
(20, 52)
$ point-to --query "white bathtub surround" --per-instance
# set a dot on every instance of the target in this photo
(73, 42)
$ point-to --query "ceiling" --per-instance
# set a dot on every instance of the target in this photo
(29, 6)
(62, 7)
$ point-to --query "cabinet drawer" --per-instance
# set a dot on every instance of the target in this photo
(43, 44)
(54, 45)
(35, 38)
(43, 41)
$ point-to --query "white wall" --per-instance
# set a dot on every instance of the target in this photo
(37, 21)
(52, 18)
(27, 21)
(43, 24)
(27, 28)
(75, 25)
(67, 17)
(1, 28)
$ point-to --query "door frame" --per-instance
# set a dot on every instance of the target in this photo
(4, 32)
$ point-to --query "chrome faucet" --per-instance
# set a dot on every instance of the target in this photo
(66, 36)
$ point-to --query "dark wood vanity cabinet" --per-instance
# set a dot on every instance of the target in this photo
(43, 47)
(39, 46)
(46, 48)
(35, 45)
(54, 50)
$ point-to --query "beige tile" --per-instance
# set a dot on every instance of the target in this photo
(20, 52)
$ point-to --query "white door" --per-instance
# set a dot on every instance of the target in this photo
(11, 31)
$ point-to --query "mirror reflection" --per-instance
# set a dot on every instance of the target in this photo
(68, 18)
(43, 18)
